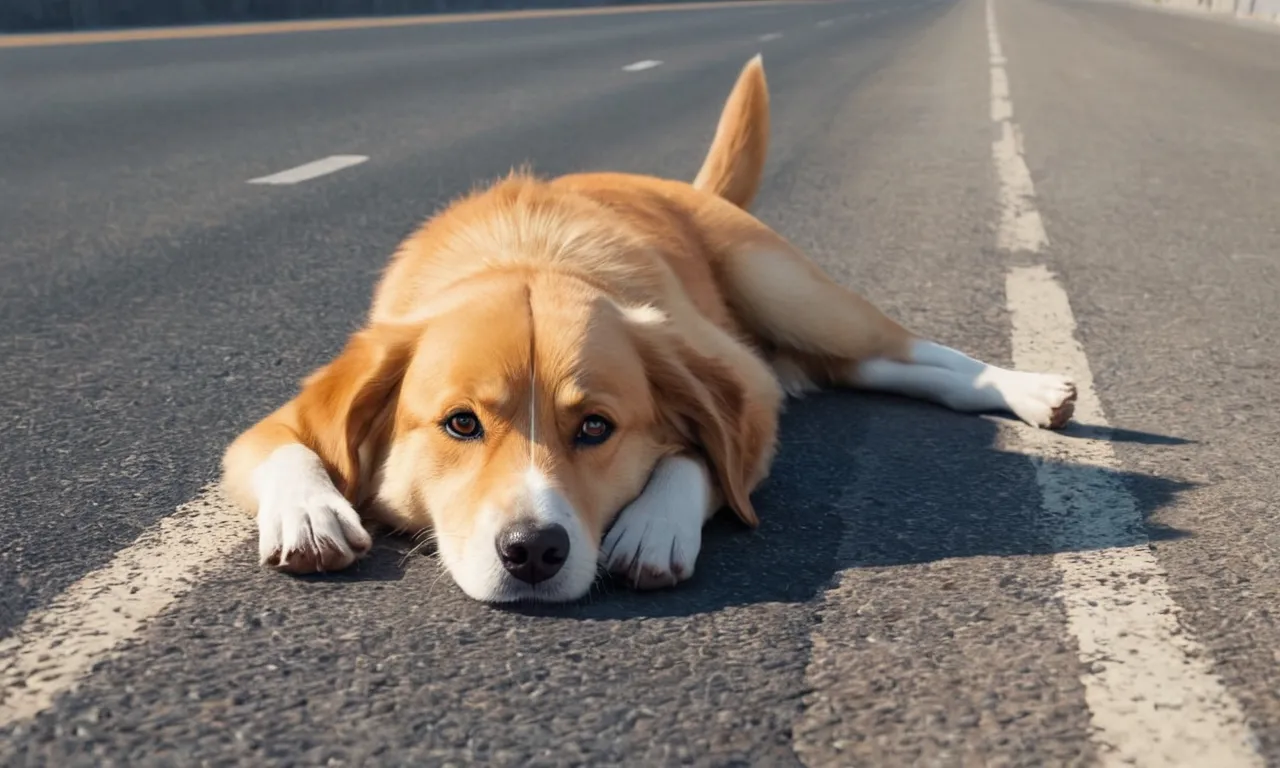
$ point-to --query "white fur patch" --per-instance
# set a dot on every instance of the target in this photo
(304, 524)
(656, 539)
(478, 571)
(643, 315)
(944, 375)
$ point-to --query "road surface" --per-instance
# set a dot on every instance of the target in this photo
(1079, 185)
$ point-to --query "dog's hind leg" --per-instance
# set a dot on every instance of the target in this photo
(822, 334)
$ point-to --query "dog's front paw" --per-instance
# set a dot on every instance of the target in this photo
(304, 524)
(311, 535)
(653, 548)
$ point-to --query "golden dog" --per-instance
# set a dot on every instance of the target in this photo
(558, 375)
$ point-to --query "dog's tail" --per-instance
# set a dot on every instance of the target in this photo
(735, 163)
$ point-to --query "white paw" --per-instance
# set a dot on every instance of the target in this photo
(310, 535)
(304, 524)
(656, 539)
(1044, 400)
(651, 548)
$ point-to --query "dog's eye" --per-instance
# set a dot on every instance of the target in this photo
(463, 425)
(594, 431)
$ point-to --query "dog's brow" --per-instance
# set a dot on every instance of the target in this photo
(572, 399)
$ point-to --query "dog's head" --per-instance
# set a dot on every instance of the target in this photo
(522, 411)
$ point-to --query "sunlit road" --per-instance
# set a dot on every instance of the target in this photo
(1087, 184)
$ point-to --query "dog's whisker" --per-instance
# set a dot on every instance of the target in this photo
(431, 590)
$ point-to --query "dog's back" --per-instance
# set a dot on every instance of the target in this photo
(608, 225)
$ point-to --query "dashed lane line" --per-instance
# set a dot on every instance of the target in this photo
(641, 66)
(314, 169)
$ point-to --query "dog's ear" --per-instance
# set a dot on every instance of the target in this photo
(344, 402)
(704, 401)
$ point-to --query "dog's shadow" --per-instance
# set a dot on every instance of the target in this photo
(861, 480)
(866, 480)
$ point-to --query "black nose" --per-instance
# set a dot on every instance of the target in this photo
(532, 552)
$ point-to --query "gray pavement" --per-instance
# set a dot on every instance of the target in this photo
(898, 605)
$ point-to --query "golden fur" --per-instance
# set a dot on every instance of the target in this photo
(660, 306)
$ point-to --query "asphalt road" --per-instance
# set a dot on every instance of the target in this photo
(900, 604)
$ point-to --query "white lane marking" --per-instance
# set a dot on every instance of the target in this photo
(308, 171)
(824, 23)
(993, 35)
(641, 66)
(58, 646)
(770, 36)
(1021, 228)
(1001, 106)
(1153, 697)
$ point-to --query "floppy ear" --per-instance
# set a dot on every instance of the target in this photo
(344, 402)
(706, 403)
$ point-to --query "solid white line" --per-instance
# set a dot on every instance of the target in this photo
(1001, 106)
(321, 167)
(58, 646)
(770, 36)
(1021, 228)
(640, 66)
(1153, 697)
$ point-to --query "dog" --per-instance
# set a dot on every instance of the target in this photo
(563, 376)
